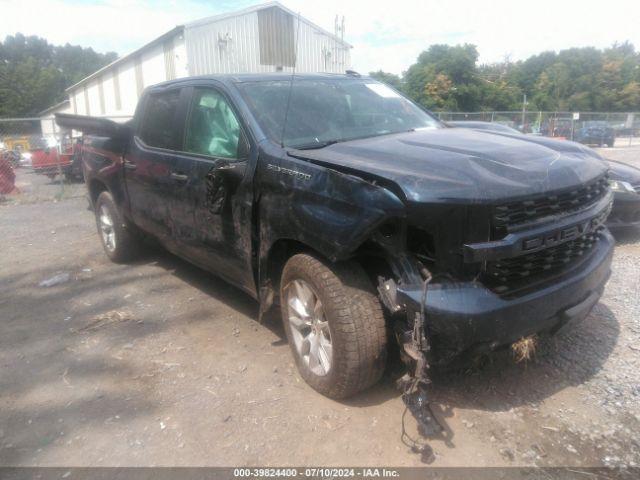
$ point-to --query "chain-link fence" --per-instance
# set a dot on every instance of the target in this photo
(38, 161)
(605, 129)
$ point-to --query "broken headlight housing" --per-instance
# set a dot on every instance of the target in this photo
(620, 186)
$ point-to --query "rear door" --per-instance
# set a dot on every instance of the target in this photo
(216, 148)
(151, 167)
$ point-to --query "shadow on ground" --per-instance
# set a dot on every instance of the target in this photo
(67, 366)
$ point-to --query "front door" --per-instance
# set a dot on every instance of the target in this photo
(219, 187)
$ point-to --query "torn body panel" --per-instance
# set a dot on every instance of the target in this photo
(326, 211)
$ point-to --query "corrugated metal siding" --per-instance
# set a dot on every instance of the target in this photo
(87, 109)
(116, 88)
(139, 78)
(169, 60)
(232, 45)
(276, 37)
(101, 95)
(228, 45)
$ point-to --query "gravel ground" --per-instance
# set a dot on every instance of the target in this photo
(159, 363)
(35, 188)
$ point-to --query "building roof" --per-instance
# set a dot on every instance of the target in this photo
(122, 59)
(180, 28)
(52, 108)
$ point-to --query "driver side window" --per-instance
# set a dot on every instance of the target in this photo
(212, 128)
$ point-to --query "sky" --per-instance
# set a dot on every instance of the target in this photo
(385, 35)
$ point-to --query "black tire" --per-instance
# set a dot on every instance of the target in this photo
(355, 321)
(126, 244)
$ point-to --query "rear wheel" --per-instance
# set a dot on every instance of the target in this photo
(334, 324)
(119, 241)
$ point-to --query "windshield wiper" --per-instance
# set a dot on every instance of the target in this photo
(315, 145)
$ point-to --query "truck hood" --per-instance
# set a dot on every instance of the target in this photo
(463, 165)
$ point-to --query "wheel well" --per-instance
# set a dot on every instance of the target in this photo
(374, 261)
(281, 251)
(96, 187)
(371, 258)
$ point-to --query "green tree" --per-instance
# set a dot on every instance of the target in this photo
(576, 79)
(34, 73)
(390, 79)
(448, 71)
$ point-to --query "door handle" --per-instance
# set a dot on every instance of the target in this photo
(225, 166)
(179, 177)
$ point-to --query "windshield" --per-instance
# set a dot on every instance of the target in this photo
(323, 111)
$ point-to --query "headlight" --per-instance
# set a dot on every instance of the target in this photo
(620, 186)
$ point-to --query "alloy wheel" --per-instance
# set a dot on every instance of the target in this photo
(309, 327)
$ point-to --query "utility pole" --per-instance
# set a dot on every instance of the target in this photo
(524, 110)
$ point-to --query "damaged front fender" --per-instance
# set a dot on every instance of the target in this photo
(326, 210)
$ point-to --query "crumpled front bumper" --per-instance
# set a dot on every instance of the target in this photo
(467, 316)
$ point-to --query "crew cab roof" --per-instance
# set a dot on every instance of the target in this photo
(256, 77)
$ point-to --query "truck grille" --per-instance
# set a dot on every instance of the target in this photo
(530, 210)
(510, 274)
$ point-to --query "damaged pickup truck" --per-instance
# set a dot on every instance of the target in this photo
(360, 214)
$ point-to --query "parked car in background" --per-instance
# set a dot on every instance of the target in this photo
(625, 183)
(339, 199)
(595, 133)
(624, 180)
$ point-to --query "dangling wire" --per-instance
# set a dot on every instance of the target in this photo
(416, 445)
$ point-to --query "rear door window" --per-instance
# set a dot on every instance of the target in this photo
(158, 124)
(212, 127)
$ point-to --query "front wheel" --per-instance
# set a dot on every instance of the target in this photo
(334, 324)
(119, 241)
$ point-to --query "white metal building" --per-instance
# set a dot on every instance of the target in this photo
(48, 123)
(263, 38)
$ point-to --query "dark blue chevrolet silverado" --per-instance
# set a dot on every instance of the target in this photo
(363, 217)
